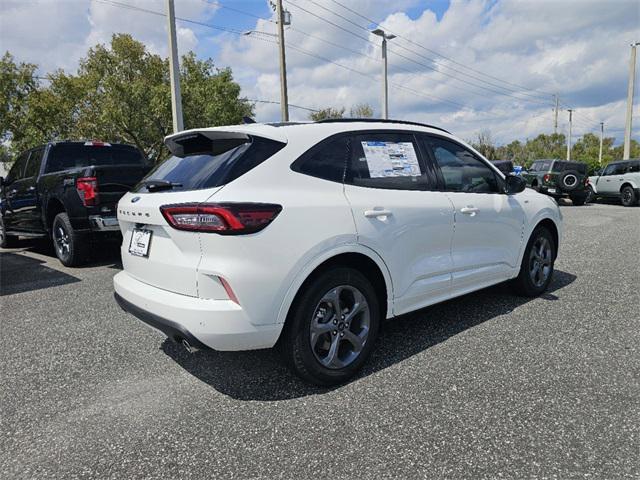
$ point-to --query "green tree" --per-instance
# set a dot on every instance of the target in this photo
(327, 113)
(361, 110)
(17, 83)
(485, 145)
(634, 152)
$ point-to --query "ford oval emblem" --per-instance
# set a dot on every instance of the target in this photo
(135, 199)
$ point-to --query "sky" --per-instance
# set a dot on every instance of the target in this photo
(467, 66)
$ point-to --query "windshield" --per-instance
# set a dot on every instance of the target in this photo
(74, 155)
(210, 164)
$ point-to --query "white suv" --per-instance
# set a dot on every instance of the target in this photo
(309, 235)
(620, 180)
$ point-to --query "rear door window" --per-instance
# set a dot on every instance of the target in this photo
(75, 155)
(540, 166)
(33, 165)
(634, 167)
(386, 160)
(211, 163)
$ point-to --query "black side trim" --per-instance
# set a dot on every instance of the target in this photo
(171, 329)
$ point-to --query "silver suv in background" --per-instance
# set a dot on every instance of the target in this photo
(619, 180)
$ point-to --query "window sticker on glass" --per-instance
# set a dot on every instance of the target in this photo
(391, 159)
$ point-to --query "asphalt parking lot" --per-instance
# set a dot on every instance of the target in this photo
(485, 386)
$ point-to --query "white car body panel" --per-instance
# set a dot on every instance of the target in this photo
(427, 249)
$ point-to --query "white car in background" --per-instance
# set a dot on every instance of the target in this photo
(309, 235)
(618, 180)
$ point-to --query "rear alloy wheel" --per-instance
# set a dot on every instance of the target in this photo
(7, 241)
(332, 327)
(537, 265)
(70, 246)
(628, 196)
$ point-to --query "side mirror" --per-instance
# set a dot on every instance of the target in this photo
(514, 184)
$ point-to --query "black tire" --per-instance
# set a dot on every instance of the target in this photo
(578, 200)
(70, 246)
(7, 241)
(310, 306)
(591, 195)
(569, 181)
(524, 283)
(628, 196)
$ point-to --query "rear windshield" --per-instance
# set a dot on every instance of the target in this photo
(560, 166)
(208, 163)
(66, 156)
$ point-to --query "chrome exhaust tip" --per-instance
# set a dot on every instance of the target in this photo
(188, 347)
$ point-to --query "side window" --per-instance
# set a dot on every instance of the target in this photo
(462, 170)
(634, 167)
(619, 169)
(326, 160)
(17, 171)
(609, 170)
(33, 165)
(385, 160)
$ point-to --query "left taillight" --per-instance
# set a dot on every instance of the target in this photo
(222, 218)
(88, 190)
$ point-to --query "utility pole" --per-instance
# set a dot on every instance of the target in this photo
(627, 126)
(569, 138)
(601, 136)
(555, 123)
(284, 98)
(385, 86)
(174, 70)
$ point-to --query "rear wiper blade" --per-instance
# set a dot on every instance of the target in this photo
(156, 185)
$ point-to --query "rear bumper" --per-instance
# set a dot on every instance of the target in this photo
(217, 324)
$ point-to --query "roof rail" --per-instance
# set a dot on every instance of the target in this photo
(379, 120)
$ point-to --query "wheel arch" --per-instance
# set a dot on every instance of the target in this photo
(358, 257)
(627, 184)
(54, 207)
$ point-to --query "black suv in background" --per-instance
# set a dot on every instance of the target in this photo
(559, 178)
(67, 191)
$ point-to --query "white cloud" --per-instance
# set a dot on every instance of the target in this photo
(579, 49)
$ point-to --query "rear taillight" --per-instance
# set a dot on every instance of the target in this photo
(546, 177)
(88, 190)
(586, 180)
(222, 218)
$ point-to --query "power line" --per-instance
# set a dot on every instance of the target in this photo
(442, 55)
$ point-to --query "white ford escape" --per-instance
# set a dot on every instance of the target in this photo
(309, 235)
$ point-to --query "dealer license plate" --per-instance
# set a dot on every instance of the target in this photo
(140, 242)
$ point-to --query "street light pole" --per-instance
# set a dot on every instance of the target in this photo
(569, 138)
(385, 86)
(627, 126)
(601, 136)
(284, 100)
(174, 70)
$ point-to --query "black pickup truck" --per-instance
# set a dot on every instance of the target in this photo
(67, 191)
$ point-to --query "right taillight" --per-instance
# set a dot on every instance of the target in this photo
(546, 177)
(222, 218)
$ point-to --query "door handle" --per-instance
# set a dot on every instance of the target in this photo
(377, 213)
(469, 210)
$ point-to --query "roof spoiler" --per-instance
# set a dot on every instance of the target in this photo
(175, 143)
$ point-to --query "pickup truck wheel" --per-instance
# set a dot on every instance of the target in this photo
(332, 327)
(628, 196)
(7, 241)
(536, 269)
(70, 246)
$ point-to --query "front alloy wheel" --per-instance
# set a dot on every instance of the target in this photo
(537, 265)
(540, 261)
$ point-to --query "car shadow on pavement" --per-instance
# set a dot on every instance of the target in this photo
(20, 273)
(103, 253)
(261, 374)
